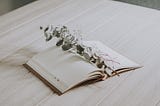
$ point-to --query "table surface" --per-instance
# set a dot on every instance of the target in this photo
(131, 30)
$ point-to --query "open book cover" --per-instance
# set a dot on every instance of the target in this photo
(62, 70)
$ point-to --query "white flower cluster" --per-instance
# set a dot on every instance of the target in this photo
(73, 42)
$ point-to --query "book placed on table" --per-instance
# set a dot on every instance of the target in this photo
(88, 62)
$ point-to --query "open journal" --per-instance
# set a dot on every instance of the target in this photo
(64, 69)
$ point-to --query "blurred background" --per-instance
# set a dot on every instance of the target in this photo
(155, 4)
(9, 5)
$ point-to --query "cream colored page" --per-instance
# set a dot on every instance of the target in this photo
(71, 69)
(112, 58)
(67, 67)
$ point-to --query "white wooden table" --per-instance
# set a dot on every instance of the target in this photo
(130, 30)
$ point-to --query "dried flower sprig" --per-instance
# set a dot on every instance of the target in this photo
(73, 43)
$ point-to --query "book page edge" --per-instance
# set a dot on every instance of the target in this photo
(43, 79)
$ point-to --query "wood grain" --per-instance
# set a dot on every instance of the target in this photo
(131, 30)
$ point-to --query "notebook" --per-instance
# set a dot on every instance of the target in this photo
(64, 70)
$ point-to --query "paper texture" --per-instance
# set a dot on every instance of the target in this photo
(64, 69)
